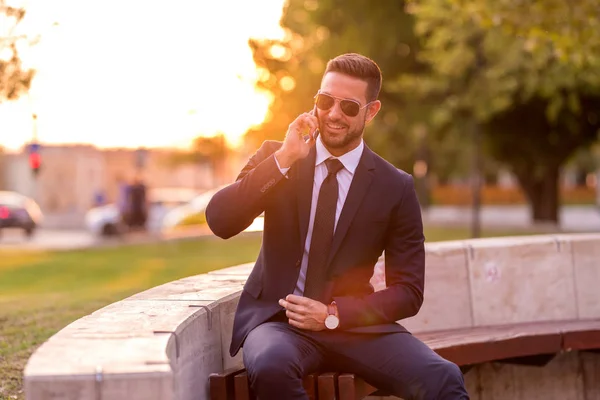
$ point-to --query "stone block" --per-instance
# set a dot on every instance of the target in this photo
(137, 317)
(135, 338)
(199, 353)
(590, 365)
(207, 287)
(227, 307)
(447, 300)
(586, 259)
(139, 386)
(521, 279)
(472, 383)
(71, 359)
(557, 380)
(240, 270)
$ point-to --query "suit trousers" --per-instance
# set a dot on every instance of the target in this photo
(277, 356)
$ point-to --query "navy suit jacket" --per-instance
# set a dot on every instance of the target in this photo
(381, 214)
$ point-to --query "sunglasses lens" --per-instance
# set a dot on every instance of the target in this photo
(350, 108)
(325, 102)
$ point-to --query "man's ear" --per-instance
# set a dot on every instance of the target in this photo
(372, 110)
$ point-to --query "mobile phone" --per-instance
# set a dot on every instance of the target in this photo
(314, 112)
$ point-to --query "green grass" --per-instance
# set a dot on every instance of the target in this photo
(41, 292)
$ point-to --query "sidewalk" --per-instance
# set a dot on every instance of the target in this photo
(572, 218)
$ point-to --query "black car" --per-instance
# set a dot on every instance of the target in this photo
(18, 211)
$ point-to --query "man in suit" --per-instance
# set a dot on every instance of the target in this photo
(331, 207)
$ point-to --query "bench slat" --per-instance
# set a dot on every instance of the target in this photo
(221, 384)
(582, 340)
(328, 386)
(352, 387)
(477, 353)
(482, 344)
(242, 387)
(310, 385)
(234, 385)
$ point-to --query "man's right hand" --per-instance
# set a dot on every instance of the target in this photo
(295, 147)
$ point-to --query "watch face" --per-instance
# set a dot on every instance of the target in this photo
(331, 322)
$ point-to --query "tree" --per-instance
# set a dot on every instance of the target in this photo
(531, 79)
(212, 151)
(14, 79)
(291, 70)
(205, 149)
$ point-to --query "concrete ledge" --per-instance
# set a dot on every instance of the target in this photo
(164, 342)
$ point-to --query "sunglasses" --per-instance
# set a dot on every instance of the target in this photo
(349, 107)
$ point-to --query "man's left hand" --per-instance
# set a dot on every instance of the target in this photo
(304, 313)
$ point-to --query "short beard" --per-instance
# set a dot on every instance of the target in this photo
(346, 140)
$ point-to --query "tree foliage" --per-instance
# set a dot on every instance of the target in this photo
(210, 150)
(14, 79)
(318, 31)
(529, 74)
(291, 70)
(487, 59)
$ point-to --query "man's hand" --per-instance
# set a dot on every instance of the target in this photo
(295, 147)
(304, 313)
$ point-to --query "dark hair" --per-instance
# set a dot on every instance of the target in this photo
(361, 67)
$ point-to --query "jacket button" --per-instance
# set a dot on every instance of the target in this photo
(298, 263)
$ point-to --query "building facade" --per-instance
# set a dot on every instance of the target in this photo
(71, 176)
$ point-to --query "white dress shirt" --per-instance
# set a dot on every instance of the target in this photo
(350, 161)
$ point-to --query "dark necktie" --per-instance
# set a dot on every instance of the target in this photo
(322, 234)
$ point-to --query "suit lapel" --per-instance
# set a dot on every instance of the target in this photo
(361, 182)
(305, 177)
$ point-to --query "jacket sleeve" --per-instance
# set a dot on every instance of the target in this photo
(404, 271)
(233, 208)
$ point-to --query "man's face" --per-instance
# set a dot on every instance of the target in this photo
(339, 132)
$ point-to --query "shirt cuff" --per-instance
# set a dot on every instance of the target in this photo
(284, 171)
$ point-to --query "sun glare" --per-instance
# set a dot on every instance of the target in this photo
(140, 73)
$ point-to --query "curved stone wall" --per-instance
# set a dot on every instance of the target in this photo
(164, 342)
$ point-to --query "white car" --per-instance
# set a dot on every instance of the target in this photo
(106, 220)
(196, 206)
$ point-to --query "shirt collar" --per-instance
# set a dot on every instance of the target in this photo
(350, 160)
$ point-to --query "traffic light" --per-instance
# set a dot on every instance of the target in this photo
(35, 162)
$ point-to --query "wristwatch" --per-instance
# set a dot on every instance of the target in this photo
(331, 322)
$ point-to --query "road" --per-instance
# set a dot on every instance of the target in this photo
(47, 239)
(575, 219)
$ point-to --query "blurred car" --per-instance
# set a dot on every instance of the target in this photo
(19, 211)
(107, 220)
(196, 206)
(193, 213)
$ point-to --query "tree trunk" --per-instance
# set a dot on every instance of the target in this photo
(543, 195)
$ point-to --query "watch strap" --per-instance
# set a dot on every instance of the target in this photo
(331, 308)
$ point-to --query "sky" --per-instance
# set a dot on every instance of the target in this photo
(129, 73)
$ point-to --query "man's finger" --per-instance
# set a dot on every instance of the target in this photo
(295, 316)
(291, 306)
(305, 121)
(292, 298)
(296, 324)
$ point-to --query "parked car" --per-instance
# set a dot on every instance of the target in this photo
(107, 220)
(196, 206)
(19, 211)
(193, 212)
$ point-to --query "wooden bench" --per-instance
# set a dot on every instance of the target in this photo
(530, 344)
